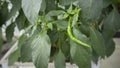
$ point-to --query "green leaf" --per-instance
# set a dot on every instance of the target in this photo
(111, 24)
(106, 3)
(26, 50)
(61, 24)
(97, 42)
(50, 5)
(31, 9)
(50, 26)
(70, 9)
(90, 10)
(20, 20)
(65, 47)
(10, 32)
(43, 6)
(16, 54)
(59, 60)
(85, 29)
(66, 2)
(22, 40)
(41, 46)
(75, 19)
(53, 36)
(95, 57)
(80, 55)
(62, 43)
(116, 1)
(1, 40)
(16, 5)
(110, 47)
(14, 57)
(80, 36)
(3, 13)
(55, 12)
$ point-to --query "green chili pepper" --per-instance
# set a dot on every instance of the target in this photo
(72, 37)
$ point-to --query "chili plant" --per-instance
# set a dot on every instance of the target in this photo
(60, 31)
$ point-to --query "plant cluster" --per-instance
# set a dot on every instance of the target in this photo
(77, 31)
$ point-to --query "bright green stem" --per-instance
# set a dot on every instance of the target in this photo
(72, 37)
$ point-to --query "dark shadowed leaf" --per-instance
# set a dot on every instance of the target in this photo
(61, 42)
(97, 42)
(110, 47)
(3, 13)
(16, 5)
(65, 46)
(16, 54)
(106, 3)
(95, 57)
(50, 5)
(111, 24)
(10, 32)
(85, 29)
(1, 40)
(41, 46)
(53, 36)
(20, 20)
(91, 9)
(116, 1)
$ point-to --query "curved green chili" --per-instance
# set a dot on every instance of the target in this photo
(72, 37)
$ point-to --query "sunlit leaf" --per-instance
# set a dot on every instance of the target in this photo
(41, 50)
(31, 9)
